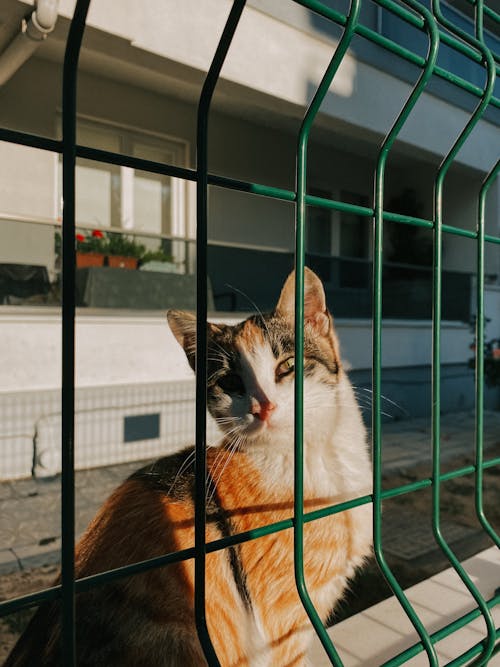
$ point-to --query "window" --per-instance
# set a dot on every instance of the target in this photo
(109, 196)
(354, 244)
(319, 237)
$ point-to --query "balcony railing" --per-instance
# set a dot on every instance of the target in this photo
(169, 279)
(348, 284)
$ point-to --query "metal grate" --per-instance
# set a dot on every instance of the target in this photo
(438, 30)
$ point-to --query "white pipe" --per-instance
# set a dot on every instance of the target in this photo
(34, 31)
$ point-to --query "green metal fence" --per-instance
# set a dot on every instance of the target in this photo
(438, 30)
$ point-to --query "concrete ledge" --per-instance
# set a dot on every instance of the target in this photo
(382, 631)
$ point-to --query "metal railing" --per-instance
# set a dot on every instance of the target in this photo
(347, 280)
(438, 30)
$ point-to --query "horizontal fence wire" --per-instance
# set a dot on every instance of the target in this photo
(438, 30)
(260, 189)
(87, 583)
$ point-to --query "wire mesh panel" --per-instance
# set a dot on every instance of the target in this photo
(437, 32)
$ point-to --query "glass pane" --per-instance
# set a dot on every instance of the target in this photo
(152, 202)
(352, 236)
(93, 195)
(319, 226)
(354, 229)
(97, 194)
(152, 193)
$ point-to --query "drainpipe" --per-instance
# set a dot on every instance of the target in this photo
(34, 30)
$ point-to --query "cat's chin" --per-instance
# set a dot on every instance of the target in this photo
(255, 427)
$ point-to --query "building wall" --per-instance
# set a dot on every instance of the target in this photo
(245, 147)
(261, 61)
(133, 366)
(239, 148)
(114, 349)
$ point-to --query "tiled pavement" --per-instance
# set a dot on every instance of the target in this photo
(437, 601)
(30, 509)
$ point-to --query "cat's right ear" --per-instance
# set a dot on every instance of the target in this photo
(183, 326)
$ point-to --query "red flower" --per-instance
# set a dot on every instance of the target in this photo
(80, 238)
(97, 234)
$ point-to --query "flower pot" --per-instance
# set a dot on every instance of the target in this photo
(85, 259)
(119, 262)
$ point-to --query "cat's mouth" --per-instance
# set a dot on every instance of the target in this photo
(254, 426)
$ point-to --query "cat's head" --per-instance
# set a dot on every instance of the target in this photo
(251, 365)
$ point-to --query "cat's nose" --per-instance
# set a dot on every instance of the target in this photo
(262, 409)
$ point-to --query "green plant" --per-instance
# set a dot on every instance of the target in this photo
(125, 246)
(491, 361)
(112, 243)
(155, 256)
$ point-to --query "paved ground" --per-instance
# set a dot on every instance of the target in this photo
(30, 509)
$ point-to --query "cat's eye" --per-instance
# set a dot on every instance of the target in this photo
(285, 367)
(231, 383)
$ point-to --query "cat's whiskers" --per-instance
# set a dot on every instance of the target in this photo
(233, 448)
(224, 354)
(185, 464)
(189, 460)
(259, 312)
(226, 420)
(382, 396)
(220, 454)
(217, 355)
(228, 435)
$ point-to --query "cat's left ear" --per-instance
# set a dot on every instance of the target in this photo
(315, 311)
(183, 326)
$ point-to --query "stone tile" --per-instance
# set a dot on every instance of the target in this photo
(82, 519)
(384, 641)
(8, 536)
(7, 490)
(8, 562)
(96, 477)
(39, 554)
(49, 485)
(445, 600)
(121, 472)
(91, 497)
(388, 631)
(25, 488)
(458, 643)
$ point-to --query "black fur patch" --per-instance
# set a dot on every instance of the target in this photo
(163, 476)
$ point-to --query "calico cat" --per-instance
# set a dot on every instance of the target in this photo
(254, 614)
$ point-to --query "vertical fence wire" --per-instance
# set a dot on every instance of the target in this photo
(386, 146)
(300, 246)
(201, 325)
(443, 169)
(69, 105)
(480, 315)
